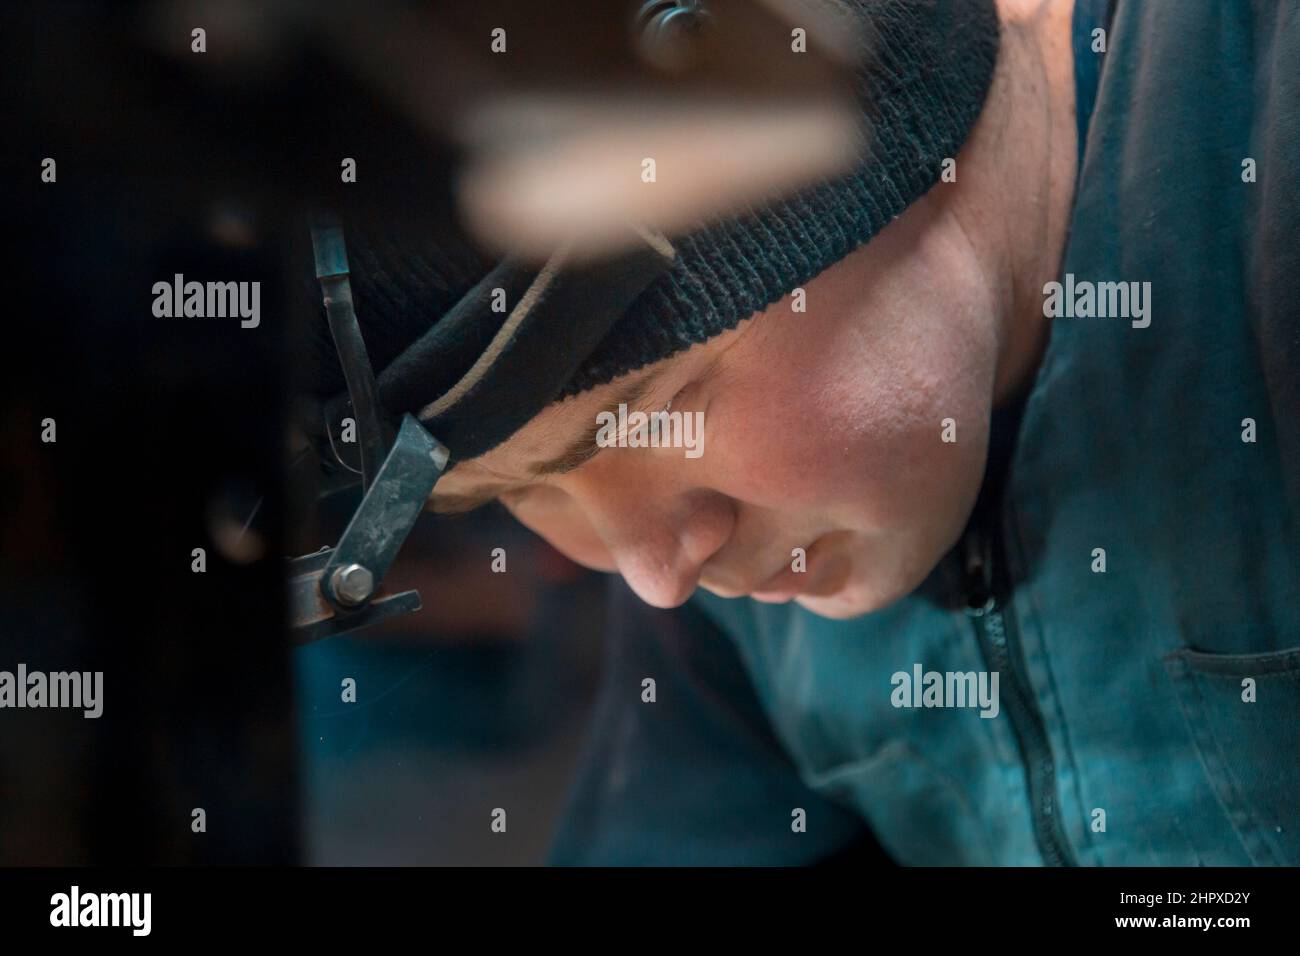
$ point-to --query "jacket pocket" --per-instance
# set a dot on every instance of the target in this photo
(1250, 748)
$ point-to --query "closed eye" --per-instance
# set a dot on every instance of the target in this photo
(580, 456)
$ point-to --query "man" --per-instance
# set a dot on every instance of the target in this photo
(995, 512)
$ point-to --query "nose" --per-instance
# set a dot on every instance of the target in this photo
(660, 541)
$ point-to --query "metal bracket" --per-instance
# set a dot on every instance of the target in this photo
(332, 271)
(334, 591)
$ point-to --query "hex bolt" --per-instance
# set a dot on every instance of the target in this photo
(352, 584)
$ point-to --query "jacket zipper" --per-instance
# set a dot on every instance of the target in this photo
(1001, 650)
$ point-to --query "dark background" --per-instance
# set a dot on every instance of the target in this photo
(171, 432)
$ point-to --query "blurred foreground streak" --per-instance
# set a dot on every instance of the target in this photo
(543, 113)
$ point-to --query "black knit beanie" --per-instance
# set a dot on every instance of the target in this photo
(922, 86)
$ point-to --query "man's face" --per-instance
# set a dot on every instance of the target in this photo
(823, 430)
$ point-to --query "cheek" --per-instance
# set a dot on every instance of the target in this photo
(920, 419)
(551, 514)
(855, 435)
(772, 446)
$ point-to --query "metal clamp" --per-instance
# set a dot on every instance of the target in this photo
(335, 590)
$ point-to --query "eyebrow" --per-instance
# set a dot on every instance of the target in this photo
(584, 447)
(581, 449)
